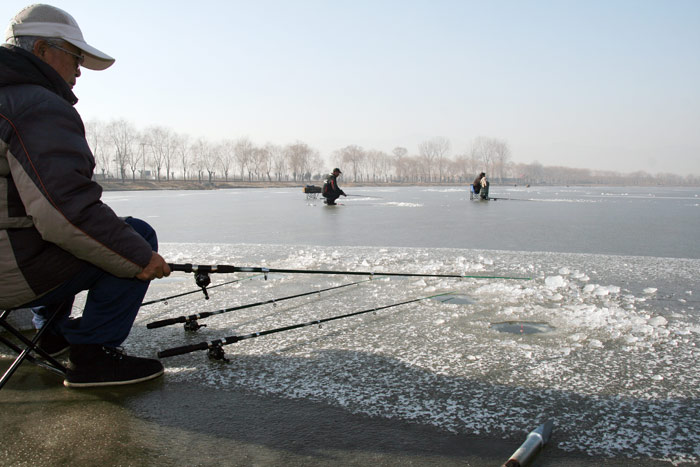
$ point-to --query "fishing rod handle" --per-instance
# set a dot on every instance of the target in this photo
(166, 322)
(183, 350)
(189, 267)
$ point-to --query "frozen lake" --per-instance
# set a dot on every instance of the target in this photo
(623, 221)
(603, 339)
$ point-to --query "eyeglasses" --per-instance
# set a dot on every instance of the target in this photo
(80, 57)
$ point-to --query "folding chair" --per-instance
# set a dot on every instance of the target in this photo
(24, 347)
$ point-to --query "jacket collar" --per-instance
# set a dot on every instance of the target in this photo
(17, 66)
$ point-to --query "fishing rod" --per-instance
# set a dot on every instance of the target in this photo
(206, 295)
(215, 347)
(191, 323)
(226, 269)
(366, 196)
(509, 199)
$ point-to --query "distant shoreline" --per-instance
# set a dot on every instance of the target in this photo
(144, 185)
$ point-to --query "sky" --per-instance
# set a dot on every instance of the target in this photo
(598, 84)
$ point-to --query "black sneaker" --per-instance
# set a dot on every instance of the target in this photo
(53, 344)
(95, 365)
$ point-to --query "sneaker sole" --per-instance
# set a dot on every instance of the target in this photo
(95, 384)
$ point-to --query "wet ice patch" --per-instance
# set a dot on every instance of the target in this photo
(454, 299)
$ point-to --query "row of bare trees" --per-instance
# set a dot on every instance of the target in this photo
(124, 152)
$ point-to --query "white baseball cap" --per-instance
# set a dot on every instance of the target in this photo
(49, 21)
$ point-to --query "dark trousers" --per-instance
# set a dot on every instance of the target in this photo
(110, 307)
(330, 199)
(484, 192)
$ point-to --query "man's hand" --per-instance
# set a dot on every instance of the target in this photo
(156, 268)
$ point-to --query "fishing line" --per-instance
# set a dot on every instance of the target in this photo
(165, 299)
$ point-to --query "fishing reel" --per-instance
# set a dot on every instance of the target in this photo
(216, 352)
(202, 280)
(193, 325)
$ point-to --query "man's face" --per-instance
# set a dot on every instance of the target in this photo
(64, 58)
(336, 173)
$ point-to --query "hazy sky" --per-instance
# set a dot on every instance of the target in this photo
(601, 84)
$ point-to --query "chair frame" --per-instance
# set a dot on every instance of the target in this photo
(24, 348)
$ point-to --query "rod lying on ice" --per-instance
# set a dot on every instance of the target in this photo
(535, 441)
(216, 350)
(225, 268)
(191, 320)
(165, 299)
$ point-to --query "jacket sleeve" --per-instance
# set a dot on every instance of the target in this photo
(52, 165)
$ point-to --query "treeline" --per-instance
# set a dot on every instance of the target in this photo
(124, 152)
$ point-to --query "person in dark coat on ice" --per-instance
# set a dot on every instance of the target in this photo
(331, 190)
(481, 186)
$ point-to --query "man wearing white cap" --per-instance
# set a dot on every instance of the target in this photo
(57, 238)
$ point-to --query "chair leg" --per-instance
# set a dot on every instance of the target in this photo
(30, 345)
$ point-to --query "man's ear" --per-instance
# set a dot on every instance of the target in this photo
(39, 48)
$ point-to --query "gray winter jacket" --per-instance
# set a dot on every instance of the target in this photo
(51, 217)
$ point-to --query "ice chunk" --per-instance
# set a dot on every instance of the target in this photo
(658, 321)
(577, 337)
(554, 282)
(595, 344)
(602, 290)
(650, 290)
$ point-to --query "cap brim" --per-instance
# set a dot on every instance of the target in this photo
(94, 59)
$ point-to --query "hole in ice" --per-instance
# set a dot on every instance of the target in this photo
(522, 327)
(455, 299)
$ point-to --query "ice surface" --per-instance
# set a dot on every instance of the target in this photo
(404, 205)
(614, 368)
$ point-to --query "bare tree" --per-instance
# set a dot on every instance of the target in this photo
(399, 162)
(182, 151)
(300, 159)
(278, 161)
(206, 157)
(136, 156)
(384, 166)
(243, 151)
(434, 152)
(263, 162)
(95, 133)
(123, 137)
(162, 142)
(483, 150)
(354, 156)
(464, 167)
(375, 163)
(501, 155)
(226, 156)
(199, 149)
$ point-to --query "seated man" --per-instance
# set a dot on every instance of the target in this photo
(57, 238)
(481, 186)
